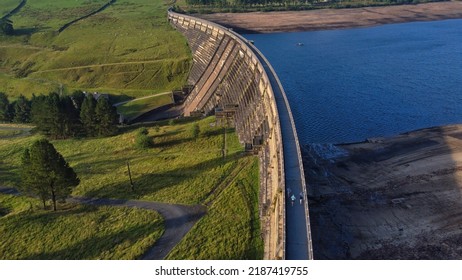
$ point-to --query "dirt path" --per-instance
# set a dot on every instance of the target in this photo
(23, 131)
(178, 219)
(290, 21)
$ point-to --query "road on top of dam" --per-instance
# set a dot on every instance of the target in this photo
(297, 246)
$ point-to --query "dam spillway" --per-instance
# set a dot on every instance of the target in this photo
(231, 78)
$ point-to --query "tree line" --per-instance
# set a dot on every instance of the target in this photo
(62, 116)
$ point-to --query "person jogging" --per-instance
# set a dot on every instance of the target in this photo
(301, 197)
(292, 198)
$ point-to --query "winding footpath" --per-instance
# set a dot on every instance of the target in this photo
(23, 131)
(178, 219)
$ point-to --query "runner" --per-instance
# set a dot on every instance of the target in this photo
(293, 199)
(301, 197)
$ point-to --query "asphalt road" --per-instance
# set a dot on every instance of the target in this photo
(178, 219)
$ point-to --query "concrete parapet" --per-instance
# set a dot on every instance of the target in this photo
(228, 72)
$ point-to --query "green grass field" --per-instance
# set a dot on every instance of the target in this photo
(128, 48)
(77, 232)
(231, 228)
(9, 133)
(137, 107)
(178, 169)
(7, 6)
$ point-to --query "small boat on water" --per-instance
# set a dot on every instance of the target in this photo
(299, 44)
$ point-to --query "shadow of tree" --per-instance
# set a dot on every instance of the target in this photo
(154, 182)
(93, 247)
(25, 31)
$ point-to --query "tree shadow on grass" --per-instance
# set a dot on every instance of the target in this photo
(8, 174)
(93, 247)
(45, 218)
(25, 31)
(154, 182)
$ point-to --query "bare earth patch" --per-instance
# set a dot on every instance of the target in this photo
(262, 22)
(392, 198)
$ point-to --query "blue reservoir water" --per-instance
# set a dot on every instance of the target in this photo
(349, 85)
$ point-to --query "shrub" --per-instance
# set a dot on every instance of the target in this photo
(143, 130)
(142, 140)
(195, 130)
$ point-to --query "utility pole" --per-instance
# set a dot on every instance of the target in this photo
(130, 176)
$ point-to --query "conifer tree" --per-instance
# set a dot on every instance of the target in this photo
(22, 110)
(70, 117)
(46, 174)
(87, 115)
(106, 118)
(4, 108)
(77, 98)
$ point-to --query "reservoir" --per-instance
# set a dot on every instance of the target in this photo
(349, 85)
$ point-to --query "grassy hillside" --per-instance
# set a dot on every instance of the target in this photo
(231, 228)
(127, 48)
(7, 6)
(78, 232)
(178, 169)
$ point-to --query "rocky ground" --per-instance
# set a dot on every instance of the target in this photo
(393, 198)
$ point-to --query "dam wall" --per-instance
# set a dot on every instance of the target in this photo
(234, 81)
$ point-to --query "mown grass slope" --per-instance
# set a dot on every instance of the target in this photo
(77, 232)
(128, 48)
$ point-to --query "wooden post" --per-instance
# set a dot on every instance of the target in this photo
(130, 176)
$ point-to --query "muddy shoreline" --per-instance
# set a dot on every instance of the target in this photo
(388, 198)
(292, 21)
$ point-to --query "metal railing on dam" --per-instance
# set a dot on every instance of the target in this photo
(234, 80)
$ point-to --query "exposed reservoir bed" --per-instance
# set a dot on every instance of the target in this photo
(290, 21)
(388, 198)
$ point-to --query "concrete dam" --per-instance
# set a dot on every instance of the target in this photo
(234, 81)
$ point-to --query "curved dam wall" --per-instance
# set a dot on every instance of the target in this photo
(234, 81)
